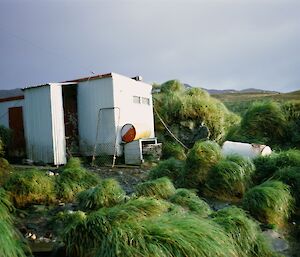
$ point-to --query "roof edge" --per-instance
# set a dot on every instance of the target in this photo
(12, 98)
(99, 76)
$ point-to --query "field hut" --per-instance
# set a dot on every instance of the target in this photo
(83, 117)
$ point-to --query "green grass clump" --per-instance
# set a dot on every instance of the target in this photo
(5, 170)
(270, 202)
(200, 159)
(266, 166)
(108, 193)
(291, 177)
(10, 242)
(189, 199)
(73, 179)
(103, 234)
(171, 168)
(265, 120)
(191, 114)
(173, 150)
(288, 158)
(243, 230)
(83, 233)
(31, 187)
(230, 178)
(168, 235)
(161, 188)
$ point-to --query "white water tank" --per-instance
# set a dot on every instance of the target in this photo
(245, 149)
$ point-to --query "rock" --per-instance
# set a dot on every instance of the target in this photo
(278, 243)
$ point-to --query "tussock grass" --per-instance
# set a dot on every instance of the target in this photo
(5, 170)
(288, 158)
(31, 186)
(265, 120)
(73, 179)
(200, 159)
(173, 150)
(107, 194)
(270, 202)
(230, 178)
(171, 168)
(101, 234)
(189, 199)
(161, 188)
(83, 233)
(243, 230)
(10, 243)
(179, 106)
(168, 236)
(291, 177)
(266, 166)
(136, 209)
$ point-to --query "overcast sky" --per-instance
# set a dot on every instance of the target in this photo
(214, 44)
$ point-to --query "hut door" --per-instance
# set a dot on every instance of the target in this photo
(71, 118)
(17, 147)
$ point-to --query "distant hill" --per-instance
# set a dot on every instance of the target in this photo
(247, 90)
(11, 93)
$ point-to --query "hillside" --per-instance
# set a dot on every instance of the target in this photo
(10, 93)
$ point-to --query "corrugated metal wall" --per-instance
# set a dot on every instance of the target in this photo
(58, 127)
(4, 119)
(126, 92)
(38, 125)
(92, 96)
(44, 125)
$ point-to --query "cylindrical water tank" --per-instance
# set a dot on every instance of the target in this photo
(245, 149)
(130, 132)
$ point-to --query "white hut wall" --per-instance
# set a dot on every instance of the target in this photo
(134, 99)
(58, 127)
(94, 100)
(44, 125)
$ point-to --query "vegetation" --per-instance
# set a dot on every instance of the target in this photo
(160, 235)
(161, 188)
(5, 170)
(243, 230)
(107, 194)
(10, 242)
(291, 177)
(266, 166)
(191, 114)
(171, 168)
(188, 199)
(5, 139)
(31, 186)
(230, 178)
(73, 179)
(200, 159)
(269, 122)
(173, 150)
(270, 202)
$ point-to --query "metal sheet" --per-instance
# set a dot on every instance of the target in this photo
(44, 124)
(58, 127)
(38, 125)
(93, 96)
(126, 92)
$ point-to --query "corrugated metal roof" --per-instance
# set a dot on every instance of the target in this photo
(48, 84)
(99, 76)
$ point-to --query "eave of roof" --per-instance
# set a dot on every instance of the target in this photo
(12, 98)
(99, 76)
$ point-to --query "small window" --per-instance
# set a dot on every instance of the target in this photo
(145, 100)
(136, 99)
